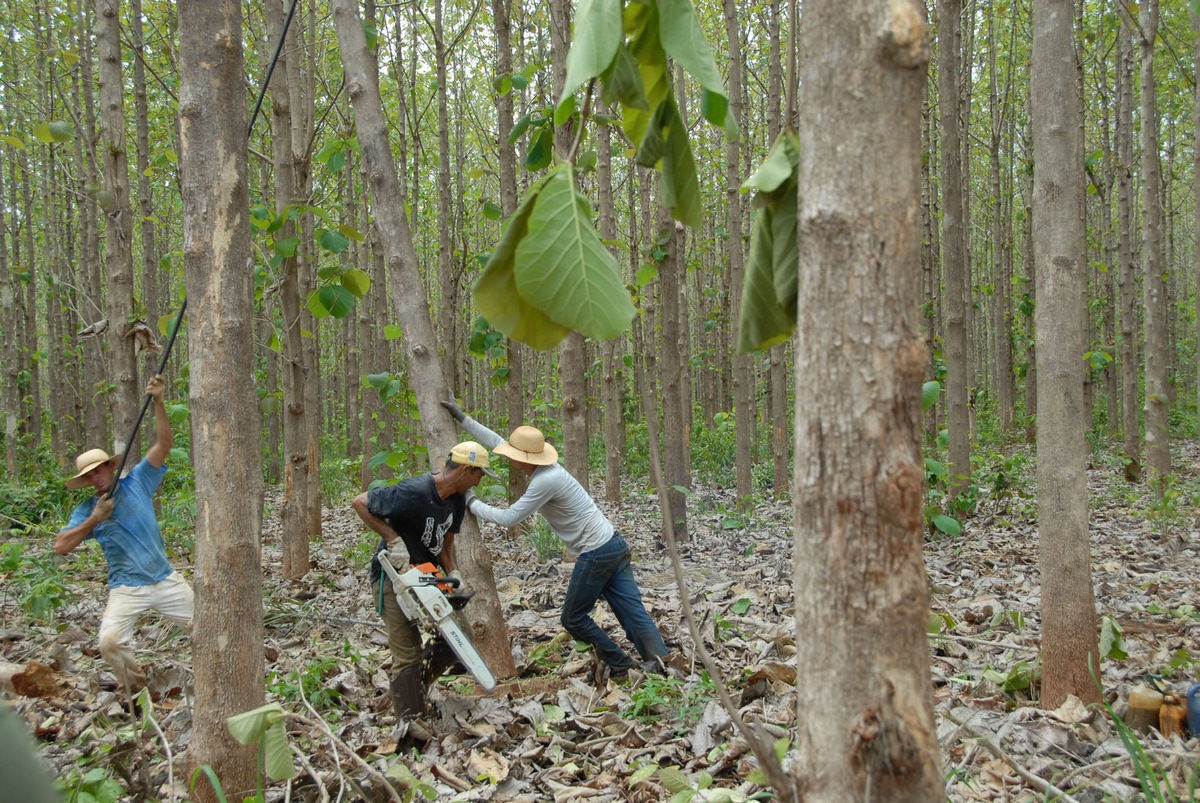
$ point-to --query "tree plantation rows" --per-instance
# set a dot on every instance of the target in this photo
(830, 251)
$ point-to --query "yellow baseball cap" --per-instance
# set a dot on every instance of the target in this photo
(470, 453)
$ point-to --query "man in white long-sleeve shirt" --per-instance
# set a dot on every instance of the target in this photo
(602, 568)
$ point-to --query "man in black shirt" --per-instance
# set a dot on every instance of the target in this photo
(417, 520)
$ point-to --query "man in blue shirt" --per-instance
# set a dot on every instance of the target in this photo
(120, 516)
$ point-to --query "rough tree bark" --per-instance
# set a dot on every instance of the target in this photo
(1069, 628)
(420, 346)
(865, 725)
(954, 258)
(293, 513)
(743, 374)
(127, 387)
(228, 625)
(1154, 290)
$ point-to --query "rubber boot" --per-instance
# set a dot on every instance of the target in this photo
(408, 693)
(439, 659)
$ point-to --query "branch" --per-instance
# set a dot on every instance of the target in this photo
(1037, 782)
(763, 750)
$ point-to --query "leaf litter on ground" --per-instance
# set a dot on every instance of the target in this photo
(564, 731)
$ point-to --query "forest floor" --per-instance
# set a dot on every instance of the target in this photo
(556, 733)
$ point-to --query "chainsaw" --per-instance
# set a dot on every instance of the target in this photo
(424, 599)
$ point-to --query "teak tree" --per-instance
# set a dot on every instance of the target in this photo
(864, 709)
(227, 637)
(1070, 651)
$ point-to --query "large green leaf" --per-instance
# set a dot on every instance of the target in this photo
(562, 268)
(265, 723)
(681, 185)
(768, 310)
(774, 170)
(597, 34)
(496, 293)
(622, 83)
(357, 282)
(332, 299)
(762, 322)
(684, 41)
(647, 50)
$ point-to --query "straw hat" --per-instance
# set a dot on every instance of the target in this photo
(88, 461)
(470, 453)
(528, 445)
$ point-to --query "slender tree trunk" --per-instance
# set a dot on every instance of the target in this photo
(614, 424)
(676, 391)
(1069, 626)
(954, 260)
(446, 279)
(514, 388)
(11, 377)
(864, 709)
(228, 624)
(572, 359)
(1001, 231)
(1158, 454)
(420, 346)
(152, 307)
(743, 375)
(778, 354)
(118, 214)
(1196, 188)
(293, 512)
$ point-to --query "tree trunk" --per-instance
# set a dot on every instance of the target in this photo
(420, 347)
(1158, 453)
(1001, 234)
(743, 374)
(954, 257)
(611, 387)
(228, 625)
(127, 393)
(676, 391)
(864, 708)
(11, 398)
(293, 513)
(152, 305)
(1196, 188)
(514, 388)
(572, 359)
(1069, 627)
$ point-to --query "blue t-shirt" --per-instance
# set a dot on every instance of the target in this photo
(130, 538)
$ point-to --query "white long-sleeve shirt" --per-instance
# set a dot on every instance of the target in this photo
(567, 507)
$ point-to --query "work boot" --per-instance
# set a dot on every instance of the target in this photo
(408, 693)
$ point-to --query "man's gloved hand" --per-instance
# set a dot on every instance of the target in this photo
(103, 509)
(452, 408)
(470, 498)
(397, 553)
(463, 590)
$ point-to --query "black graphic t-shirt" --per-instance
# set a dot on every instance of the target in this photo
(422, 518)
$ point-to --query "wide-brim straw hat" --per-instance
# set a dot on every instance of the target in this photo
(528, 445)
(88, 461)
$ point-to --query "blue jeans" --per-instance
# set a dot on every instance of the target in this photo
(606, 573)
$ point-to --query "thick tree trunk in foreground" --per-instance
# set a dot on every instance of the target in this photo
(429, 386)
(865, 713)
(228, 625)
(1069, 628)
